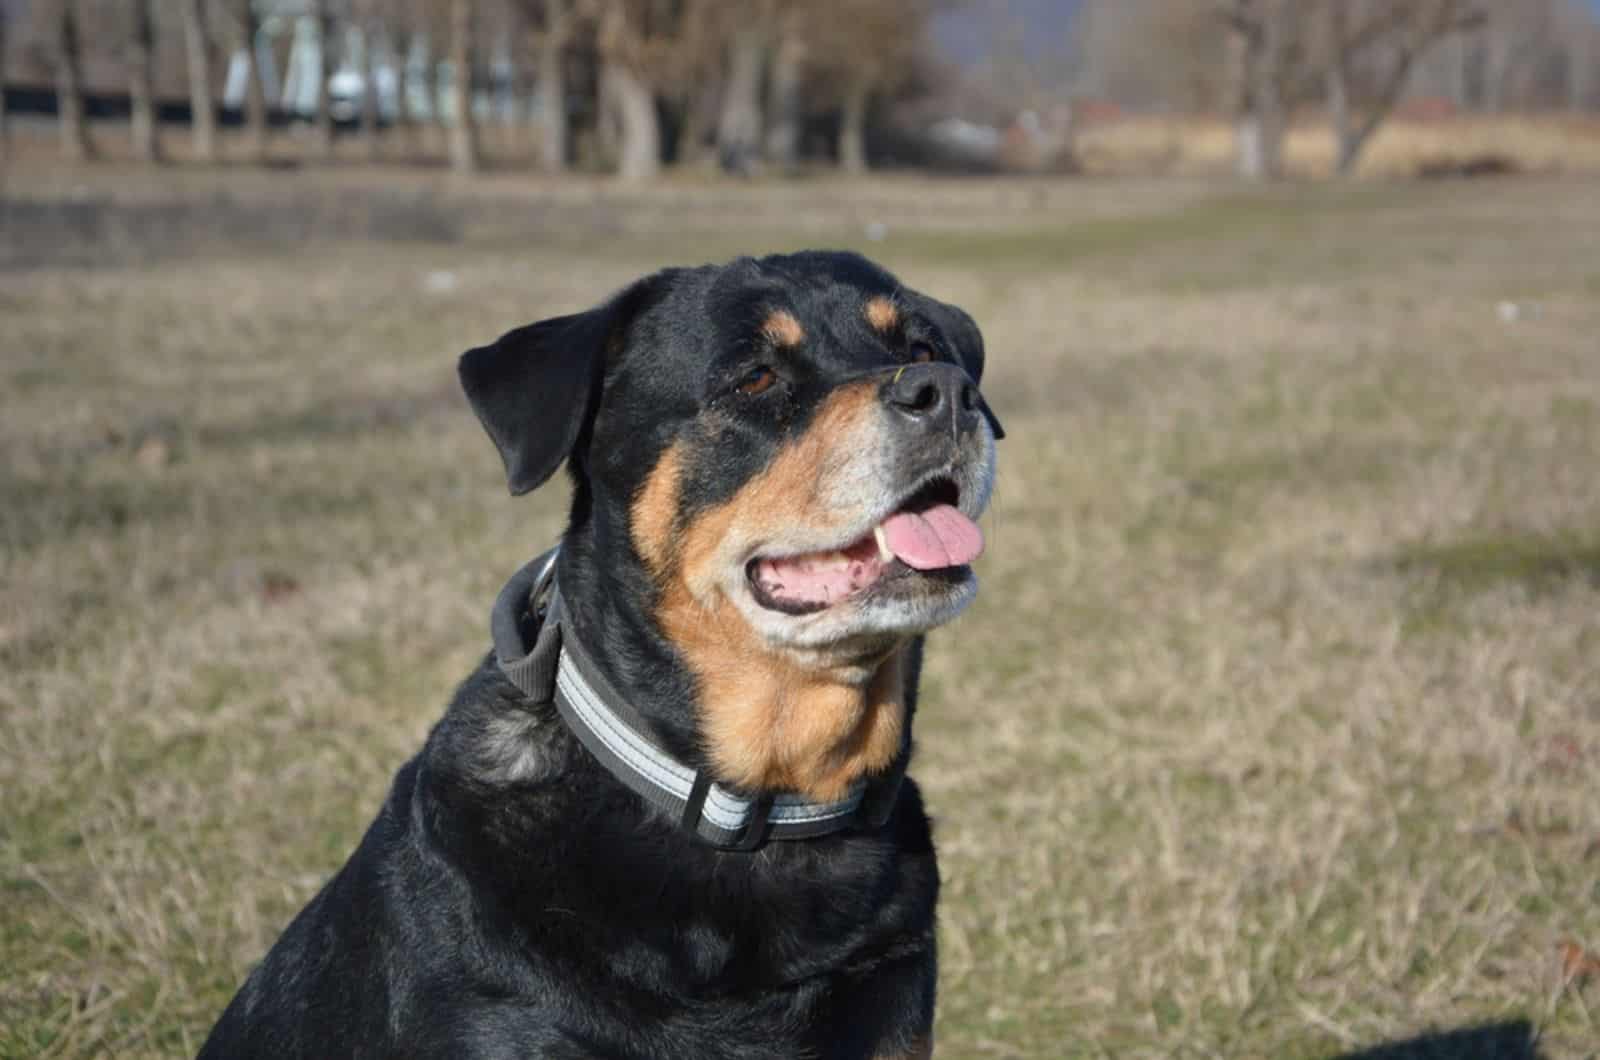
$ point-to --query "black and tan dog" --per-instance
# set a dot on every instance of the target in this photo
(667, 817)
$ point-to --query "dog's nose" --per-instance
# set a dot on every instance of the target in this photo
(932, 394)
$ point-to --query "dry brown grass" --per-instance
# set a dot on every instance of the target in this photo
(1400, 148)
(1274, 731)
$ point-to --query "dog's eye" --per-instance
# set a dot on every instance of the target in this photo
(921, 353)
(758, 380)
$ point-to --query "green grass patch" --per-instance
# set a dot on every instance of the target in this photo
(1537, 563)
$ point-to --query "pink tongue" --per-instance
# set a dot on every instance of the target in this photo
(938, 537)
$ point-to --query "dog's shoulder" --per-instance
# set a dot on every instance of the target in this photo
(566, 885)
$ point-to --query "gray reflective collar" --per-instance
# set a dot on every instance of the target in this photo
(556, 667)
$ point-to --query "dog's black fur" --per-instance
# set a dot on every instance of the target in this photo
(513, 899)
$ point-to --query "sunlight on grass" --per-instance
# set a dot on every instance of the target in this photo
(1272, 732)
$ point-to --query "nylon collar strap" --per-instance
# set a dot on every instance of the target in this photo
(556, 667)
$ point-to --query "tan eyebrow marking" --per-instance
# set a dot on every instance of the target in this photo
(782, 328)
(882, 314)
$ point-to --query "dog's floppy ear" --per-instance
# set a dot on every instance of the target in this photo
(962, 330)
(535, 388)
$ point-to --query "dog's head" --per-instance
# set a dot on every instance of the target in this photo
(779, 465)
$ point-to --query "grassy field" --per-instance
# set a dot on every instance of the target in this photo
(1274, 733)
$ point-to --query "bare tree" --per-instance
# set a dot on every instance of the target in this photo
(1264, 56)
(628, 42)
(1399, 33)
(202, 106)
(788, 72)
(556, 22)
(5, 125)
(1518, 42)
(418, 79)
(255, 97)
(863, 48)
(739, 126)
(1538, 53)
(852, 149)
(701, 105)
(75, 143)
(371, 24)
(142, 127)
(692, 73)
(464, 157)
(1357, 56)
(1174, 54)
(1282, 48)
(322, 111)
(1583, 55)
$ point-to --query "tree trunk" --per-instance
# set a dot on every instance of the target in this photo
(255, 96)
(552, 88)
(1352, 131)
(1258, 108)
(627, 100)
(75, 143)
(788, 70)
(1581, 59)
(1353, 135)
(1269, 88)
(639, 133)
(1244, 53)
(416, 79)
(1337, 81)
(1497, 52)
(1461, 79)
(142, 128)
(463, 132)
(1351, 143)
(853, 128)
(5, 128)
(202, 108)
(1339, 114)
(1253, 147)
(739, 127)
(370, 118)
(700, 113)
(322, 110)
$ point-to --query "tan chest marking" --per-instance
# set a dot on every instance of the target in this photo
(769, 721)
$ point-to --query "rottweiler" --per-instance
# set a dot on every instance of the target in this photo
(668, 816)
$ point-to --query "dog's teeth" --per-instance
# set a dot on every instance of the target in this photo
(885, 553)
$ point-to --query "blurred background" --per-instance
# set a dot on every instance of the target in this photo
(1275, 728)
(637, 87)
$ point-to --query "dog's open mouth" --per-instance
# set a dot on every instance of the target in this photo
(927, 535)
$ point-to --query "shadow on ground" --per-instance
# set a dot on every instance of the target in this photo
(1493, 1041)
